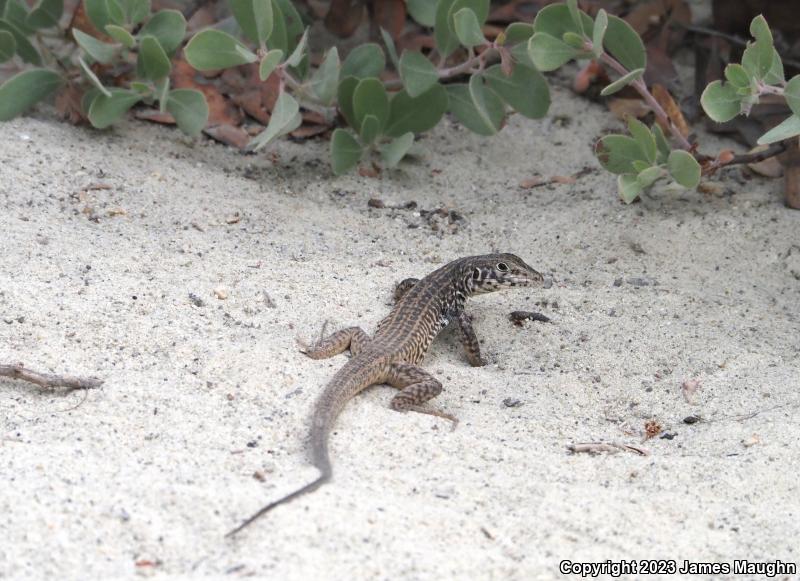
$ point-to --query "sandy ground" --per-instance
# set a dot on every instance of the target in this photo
(113, 247)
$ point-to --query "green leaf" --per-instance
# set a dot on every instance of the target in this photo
(370, 98)
(16, 13)
(366, 60)
(326, 78)
(467, 28)
(25, 89)
(98, 50)
(792, 94)
(556, 19)
(788, 128)
(661, 144)
(526, 90)
(284, 119)
(415, 114)
(574, 40)
(88, 98)
(136, 11)
(624, 44)
(417, 72)
(255, 18)
(292, 20)
(477, 107)
(683, 168)
(45, 14)
(347, 87)
(423, 11)
(737, 75)
(575, 14)
(390, 48)
(106, 110)
(622, 82)
(121, 35)
(26, 51)
(370, 128)
(92, 78)
(548, 52)
(168, 27)
(616, 153)
(214, 49)
(720, 102)
(645, 139)
(518, 32)
(599, 32)
(299, 51)
(639, 165)
(103, 12)
(775, 76)
(271, 60)
(264, 19)
(629, 187)
(155, 61)
(444, 25)
(649, 175)
(761, 50)
(8, 45)
(395, 150)
(190, 110)
(279, 38)
(346, 152)
(162, 89)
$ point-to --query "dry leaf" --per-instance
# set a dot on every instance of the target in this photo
(673, 111)
(229, 134)
(622, 108)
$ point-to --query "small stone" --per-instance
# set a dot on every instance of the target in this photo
(221, 293)
(511, 402)
(691, 420)
(617, 282)
(196, 300)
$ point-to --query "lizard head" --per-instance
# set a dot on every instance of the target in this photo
(493, 272)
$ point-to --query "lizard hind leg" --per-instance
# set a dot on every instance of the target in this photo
(352, 337)
(417, 387)
(403, 287)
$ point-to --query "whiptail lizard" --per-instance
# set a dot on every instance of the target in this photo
(424, 307)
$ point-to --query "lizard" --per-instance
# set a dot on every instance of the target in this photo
(392, 355)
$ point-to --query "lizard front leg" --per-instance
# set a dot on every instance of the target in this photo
(353, 337)
(469, 340)
(417, 386)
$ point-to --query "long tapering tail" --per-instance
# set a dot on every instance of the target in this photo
(310, 487)
(351, 379)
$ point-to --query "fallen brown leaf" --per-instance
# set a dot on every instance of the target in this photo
(228, 134)
(672, 109)
(622, 108)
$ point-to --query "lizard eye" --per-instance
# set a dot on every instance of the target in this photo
(476, 274)
(502, 267)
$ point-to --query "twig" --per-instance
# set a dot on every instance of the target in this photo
(641, 88)
(49, 380)
(771, 151)
(610, 447)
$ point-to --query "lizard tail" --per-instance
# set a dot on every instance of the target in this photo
(310, 487)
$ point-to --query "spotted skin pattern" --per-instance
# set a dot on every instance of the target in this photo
(423, 308)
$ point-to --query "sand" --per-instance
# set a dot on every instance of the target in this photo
(181, 272)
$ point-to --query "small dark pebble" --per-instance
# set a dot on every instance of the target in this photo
(617, 282)
(612, 312)
(518, 317)
(252, 444)
(196, 300)
(376, 203)
(691, 419)
(668, 436)
(511, 402)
